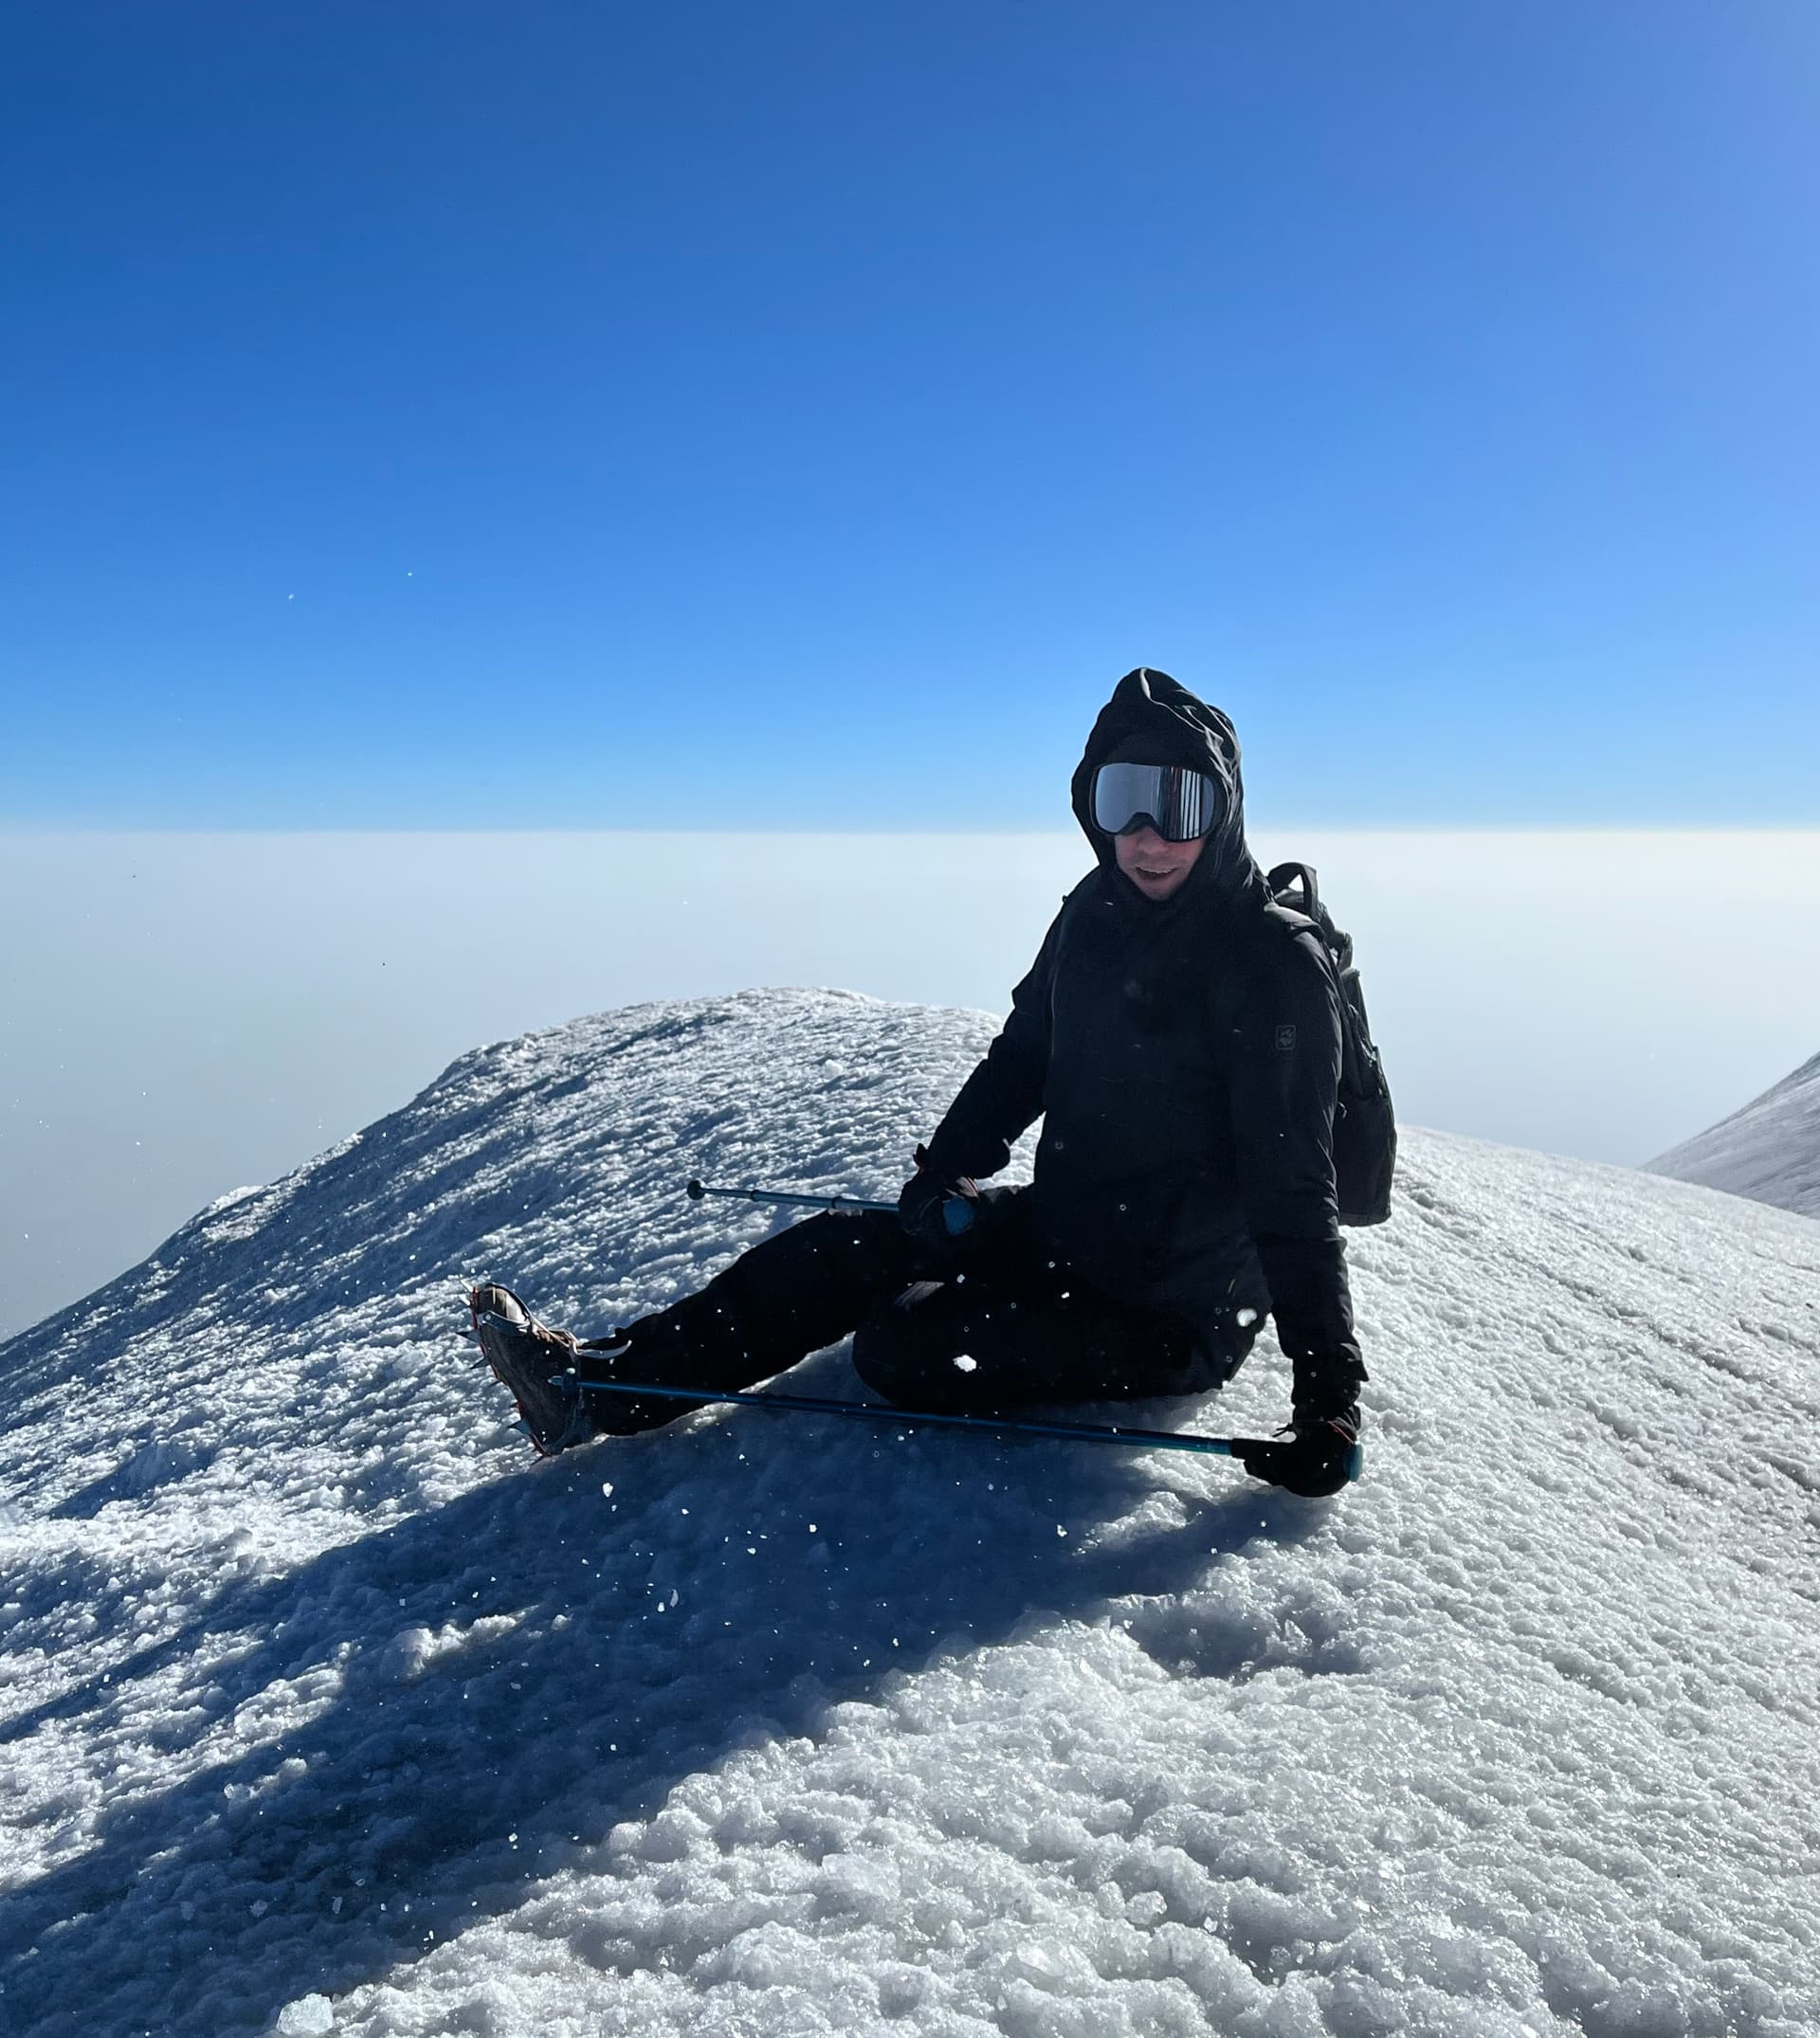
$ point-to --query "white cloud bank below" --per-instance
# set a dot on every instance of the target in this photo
(194, 1012)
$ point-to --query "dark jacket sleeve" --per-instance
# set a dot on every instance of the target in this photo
(1003, 1097)
(1283, 1085)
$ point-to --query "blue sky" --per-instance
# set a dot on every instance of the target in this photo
(798, 415)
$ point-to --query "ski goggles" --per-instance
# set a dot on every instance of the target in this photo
(1179, 803)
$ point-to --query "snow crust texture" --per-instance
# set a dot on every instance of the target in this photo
(327, 1709)
(1770, 1150)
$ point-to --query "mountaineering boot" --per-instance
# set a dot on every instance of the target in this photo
(529, 1360)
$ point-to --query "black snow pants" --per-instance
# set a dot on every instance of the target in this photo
(980, 1325)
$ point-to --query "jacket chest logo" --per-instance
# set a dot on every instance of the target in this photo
(1285, 1040)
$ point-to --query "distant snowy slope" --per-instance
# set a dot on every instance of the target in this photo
(1770, 1150)
(325, 1707)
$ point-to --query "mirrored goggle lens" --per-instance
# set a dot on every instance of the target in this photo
(1179, 803)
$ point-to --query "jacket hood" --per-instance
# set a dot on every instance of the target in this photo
(1154, 719)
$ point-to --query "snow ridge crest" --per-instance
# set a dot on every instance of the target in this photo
(326, 1709)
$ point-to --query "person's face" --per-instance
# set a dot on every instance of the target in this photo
(1157, 868)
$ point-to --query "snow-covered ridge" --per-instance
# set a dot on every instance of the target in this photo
(326, 1709)
(1770, 1148)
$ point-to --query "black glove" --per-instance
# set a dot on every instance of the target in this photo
(1313, 1457)
(935, 1208)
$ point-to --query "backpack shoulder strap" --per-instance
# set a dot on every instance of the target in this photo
(1285, 875)
(1283, 883)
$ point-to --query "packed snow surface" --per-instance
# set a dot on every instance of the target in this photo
(329, 1709)
(1769, 1150)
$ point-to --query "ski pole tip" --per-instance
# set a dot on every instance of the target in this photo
(696, 1190)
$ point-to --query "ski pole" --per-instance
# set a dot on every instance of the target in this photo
(882, 1412)
(699, 1188)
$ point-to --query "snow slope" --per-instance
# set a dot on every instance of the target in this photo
(1769, 1150)
(327, 1708)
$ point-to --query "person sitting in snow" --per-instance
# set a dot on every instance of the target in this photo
(1182, 1047)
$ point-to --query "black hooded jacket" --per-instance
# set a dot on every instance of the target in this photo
(1183, 1056)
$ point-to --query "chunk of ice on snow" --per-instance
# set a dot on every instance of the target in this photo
(307, 2018)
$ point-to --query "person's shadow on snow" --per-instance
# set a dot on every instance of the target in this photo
(474, 1697)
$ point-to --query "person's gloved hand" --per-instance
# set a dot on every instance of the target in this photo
(1314, 1456)
(934, 1208)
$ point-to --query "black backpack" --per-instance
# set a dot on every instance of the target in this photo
(1364, 1124)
